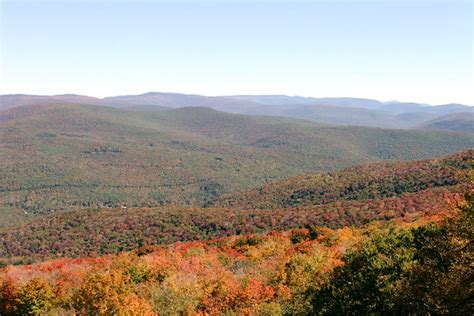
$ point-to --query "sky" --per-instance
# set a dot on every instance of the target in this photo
(386, 50)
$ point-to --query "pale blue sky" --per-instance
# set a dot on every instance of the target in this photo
(404, 50)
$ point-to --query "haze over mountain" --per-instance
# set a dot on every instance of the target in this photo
(336, 111)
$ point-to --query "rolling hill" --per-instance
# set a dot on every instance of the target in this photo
(93, 231)
(63, 157)
(460, 122)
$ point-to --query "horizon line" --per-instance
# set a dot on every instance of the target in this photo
(228, 95)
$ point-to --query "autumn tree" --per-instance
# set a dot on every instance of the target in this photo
(33, 298)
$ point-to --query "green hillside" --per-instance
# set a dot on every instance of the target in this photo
(372, 181)
(62, 157)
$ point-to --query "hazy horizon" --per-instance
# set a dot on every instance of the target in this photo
(412, 52)
(235, 95)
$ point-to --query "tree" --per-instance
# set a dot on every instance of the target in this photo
(109, 293)
(33, 298)
(368, 281)
(441, 280)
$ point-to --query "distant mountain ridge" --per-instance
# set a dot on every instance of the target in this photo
(335, 111)
(463, 121)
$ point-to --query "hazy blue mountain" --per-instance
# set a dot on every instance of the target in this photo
(413, 119)
(408, 107)
(14, 100)
(178, 100)
(449, 108)
(346, 116)
(402, 107)
(337, 111)
(285, 100)
(350, 102)
(275, 99)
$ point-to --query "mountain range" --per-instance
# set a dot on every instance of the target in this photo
(336, 111)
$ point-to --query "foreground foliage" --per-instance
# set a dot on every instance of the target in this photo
(427, 270)
(395, 268)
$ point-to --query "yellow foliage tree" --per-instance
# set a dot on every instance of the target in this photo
(109, 293)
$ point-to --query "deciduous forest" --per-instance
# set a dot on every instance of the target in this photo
(236, 158)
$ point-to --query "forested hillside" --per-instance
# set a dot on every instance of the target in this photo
(101, 231)
(236, 158)
(65, 157)
(461, 122)
(352, 197)
(370, 181)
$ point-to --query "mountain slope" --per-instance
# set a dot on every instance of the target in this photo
(371, 181)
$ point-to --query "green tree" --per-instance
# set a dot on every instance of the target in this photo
(441, 281)
(368, 281)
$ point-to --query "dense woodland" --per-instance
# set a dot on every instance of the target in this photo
(101, 231)
(351, 197)
(391, 268)
(197, 212)
(370, 181)
(64, 157)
